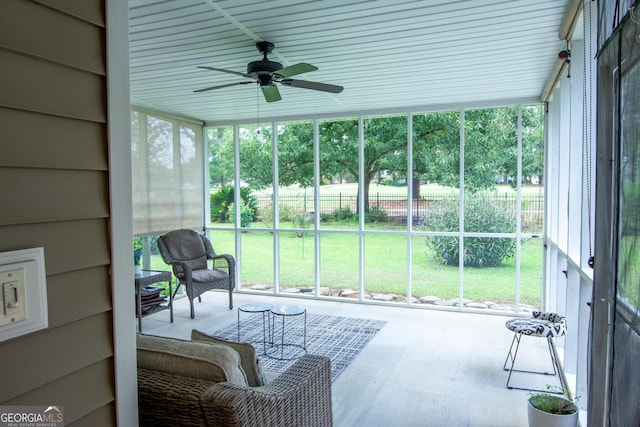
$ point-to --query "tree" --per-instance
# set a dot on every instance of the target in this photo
(490, 149)
(385, 144)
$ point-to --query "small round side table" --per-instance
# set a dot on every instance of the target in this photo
(265, 309)
(287, 311)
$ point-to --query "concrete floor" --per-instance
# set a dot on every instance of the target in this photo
(424, 367)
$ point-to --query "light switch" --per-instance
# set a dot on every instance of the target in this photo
(14, 308)
(23, 293)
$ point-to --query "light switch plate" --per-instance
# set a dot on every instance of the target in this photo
(14, 307)
(23, 293)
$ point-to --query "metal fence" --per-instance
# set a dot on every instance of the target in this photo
(395, 205)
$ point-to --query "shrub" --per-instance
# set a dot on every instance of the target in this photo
(301, 220)
(137, 250)
(342, 214)
(246, 214)
(482, 215)
(286, 212)
(221, 201)
(376, 214)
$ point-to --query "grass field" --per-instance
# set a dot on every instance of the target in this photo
(385, 266)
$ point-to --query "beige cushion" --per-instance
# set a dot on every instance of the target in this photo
(248, 356)
(192, 359)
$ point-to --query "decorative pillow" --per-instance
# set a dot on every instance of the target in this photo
(192, 359)
(248, 357)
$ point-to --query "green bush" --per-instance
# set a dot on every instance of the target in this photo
(483, 214)
(301, 220)
(221, 201)
(287, 213)
(137, 250)
(343, 214)
(246, 214)
(376, 214)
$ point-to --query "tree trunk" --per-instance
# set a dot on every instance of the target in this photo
(415, 191)
(367, 182)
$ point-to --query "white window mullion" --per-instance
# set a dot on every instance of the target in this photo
(461, 216)
(276, 208)
(206, 179)
(410, 193)
(519, 209)
(236, 200)
(316, 202)
(361, 205)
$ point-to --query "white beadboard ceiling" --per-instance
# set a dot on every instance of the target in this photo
(389, 55)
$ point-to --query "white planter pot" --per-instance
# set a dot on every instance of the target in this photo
(538, 418)
(137, 269)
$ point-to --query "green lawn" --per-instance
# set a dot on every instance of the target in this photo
(385, 266)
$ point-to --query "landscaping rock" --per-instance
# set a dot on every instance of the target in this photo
(383, 297)
(430, 299)
(476, 305)
(261, 287)
(446, 302)
(503, 307)
(348, 293)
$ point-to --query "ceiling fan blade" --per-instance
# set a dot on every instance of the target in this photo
(271, 93)
(221, 86)
(225, 71)
(324, 87)
(295, 69)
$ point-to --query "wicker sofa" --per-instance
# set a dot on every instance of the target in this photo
(217, 383)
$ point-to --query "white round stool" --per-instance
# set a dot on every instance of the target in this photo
(541, 325)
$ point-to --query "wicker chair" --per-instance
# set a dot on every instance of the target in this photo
(299, 397)
(188, 252)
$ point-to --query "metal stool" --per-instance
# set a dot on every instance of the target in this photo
(265, 309)
(541, 325)
(287, 311)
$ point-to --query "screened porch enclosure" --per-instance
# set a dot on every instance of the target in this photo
(434, 185)
(326, 211)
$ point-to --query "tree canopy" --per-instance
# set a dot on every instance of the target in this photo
(490, 149)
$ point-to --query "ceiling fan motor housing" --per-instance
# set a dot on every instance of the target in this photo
(263, 67)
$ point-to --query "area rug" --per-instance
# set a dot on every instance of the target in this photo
(338, 338)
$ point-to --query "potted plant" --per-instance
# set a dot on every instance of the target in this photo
(137, 255)
(549, 410)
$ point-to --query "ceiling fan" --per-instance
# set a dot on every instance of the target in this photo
(267, 73)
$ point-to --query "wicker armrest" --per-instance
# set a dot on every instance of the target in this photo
(299, 397)
(169, 400)
(224, 260)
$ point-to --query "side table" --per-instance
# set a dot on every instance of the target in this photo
(146, 278)
(263, 308)
(285, 311)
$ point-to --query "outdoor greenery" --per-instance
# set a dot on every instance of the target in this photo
(552, 403)
(221, 202)
(386, 259)
(351, 176)
(246, 214)
(482, 214)
(137, 250)
(490, 150)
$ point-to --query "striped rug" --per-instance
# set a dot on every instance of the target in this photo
(338, 338)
